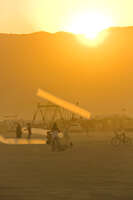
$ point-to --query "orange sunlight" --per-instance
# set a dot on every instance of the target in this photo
(90, 27)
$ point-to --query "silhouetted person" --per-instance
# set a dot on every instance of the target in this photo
(29, 130)
(49, 137)
(18, 131)
(55, 140)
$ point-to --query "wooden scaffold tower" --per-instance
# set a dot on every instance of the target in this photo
(50, 113)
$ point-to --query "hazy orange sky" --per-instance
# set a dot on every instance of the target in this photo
(22, 16)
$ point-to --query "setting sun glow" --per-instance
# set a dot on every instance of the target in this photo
(91, 26)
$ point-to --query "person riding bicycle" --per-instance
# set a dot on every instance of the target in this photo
(120, 138)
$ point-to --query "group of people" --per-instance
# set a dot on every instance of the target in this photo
(19, 130)
(54, 137)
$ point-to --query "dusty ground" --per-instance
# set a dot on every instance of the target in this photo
(93, 170)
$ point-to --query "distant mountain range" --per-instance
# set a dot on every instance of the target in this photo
(100, 78)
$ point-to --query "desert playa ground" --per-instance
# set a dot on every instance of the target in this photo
(92, 170)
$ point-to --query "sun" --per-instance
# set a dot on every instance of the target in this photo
(90, 25)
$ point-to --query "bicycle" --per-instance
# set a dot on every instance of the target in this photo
(119, 139)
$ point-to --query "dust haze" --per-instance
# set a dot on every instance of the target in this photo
(88, 103)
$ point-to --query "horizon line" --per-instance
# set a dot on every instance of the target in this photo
(60, 31)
